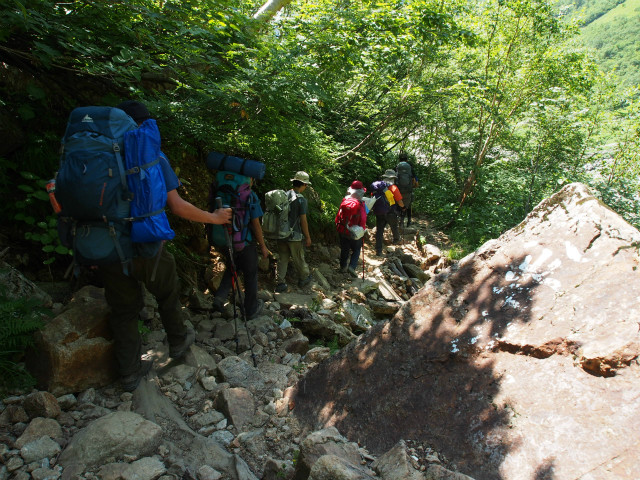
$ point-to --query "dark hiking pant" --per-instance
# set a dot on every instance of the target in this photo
(348, 245)
(246, 262)
(391, 219)
(124, 295)
(407, 198)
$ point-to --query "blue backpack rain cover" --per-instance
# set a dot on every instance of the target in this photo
(146, 182)
(91, 186)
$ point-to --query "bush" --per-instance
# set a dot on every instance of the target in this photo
(19, 319)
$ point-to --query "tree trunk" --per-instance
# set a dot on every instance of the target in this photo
(269, 9)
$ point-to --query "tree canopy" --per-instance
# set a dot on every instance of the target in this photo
(495, 103)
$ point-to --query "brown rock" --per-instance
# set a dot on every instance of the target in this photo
(519, 362)
(41, 404)
(74, 351)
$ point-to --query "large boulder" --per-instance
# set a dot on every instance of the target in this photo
(74, 351)
(115, 435)
(519, 362)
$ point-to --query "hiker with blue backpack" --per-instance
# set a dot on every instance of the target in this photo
(113, 184)
(387, 206)
(351, 223)
(292, 247)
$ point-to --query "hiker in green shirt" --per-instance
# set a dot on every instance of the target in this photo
(293, 247)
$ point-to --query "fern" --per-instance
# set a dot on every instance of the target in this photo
(19, 319)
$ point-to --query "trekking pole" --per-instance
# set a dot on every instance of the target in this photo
(234, 275)
(237, 294)
(363, 258)
(402, 220)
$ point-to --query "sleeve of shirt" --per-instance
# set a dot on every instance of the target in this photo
(255, 209)
(397, 196)
(304, 206)
(171, 180)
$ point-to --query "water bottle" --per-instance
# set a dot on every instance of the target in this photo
(51, 190)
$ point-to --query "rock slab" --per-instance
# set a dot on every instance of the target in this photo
(519, 362)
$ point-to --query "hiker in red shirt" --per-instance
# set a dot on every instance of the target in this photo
(351, 222)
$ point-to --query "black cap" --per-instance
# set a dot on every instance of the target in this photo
(135, 110)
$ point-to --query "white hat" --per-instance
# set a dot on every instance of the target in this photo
(302, 177)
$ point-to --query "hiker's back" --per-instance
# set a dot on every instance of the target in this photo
(297, 206)
(348, 215)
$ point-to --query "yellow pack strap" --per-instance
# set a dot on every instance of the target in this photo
(389, 195)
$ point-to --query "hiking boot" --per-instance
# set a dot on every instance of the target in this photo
(343, 269)
(352, 272)
(258, 310)
(305, 281)
(131, 382)
(218, 305)
(178, 351)
(281, 287)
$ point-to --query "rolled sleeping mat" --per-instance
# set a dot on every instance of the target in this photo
(249, 168)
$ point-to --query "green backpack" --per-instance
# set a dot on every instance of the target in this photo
(275, 221)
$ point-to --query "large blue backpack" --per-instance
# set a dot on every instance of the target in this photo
(146, 182)
(96, 188)
(231, 190)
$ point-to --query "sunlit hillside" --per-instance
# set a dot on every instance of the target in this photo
(612, 29)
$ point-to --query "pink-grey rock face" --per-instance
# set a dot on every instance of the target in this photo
(520, 362)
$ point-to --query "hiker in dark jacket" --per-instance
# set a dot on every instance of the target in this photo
(391, 217)
(293, 247)
(406, 181)
(124, 293)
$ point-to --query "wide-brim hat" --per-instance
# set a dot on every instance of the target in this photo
(302, 177)
(390, 174)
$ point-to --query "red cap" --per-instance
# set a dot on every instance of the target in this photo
(357, 185)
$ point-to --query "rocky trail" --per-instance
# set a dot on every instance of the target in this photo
(520, 361)
(225, 411)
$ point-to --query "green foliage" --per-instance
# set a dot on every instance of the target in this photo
(332, 344)
(616, 175)
(611, 29)
(494, 100)
(41, 227)
(19, 319)
(586, 10)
